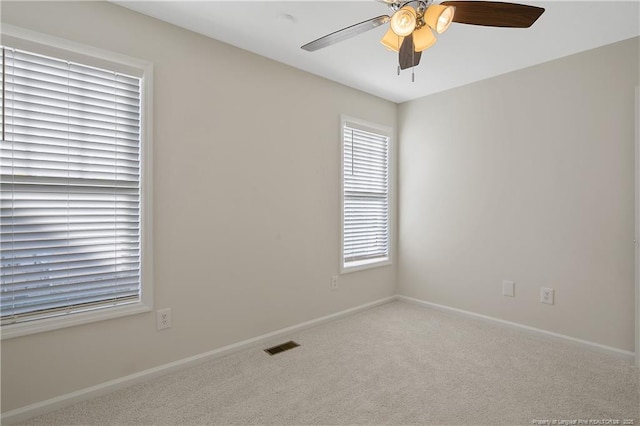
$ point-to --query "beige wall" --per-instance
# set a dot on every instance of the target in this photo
(247, 207)
(527, 177)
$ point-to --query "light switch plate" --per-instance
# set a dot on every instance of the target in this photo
(509, 288)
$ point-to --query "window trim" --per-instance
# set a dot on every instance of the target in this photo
(21, 38)
(389, 132)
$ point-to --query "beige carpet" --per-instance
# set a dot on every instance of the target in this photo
(395, 364)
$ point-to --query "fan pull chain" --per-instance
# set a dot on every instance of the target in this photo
(398, 69)
(413, 61)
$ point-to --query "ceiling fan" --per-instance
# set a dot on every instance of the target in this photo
(413, 24)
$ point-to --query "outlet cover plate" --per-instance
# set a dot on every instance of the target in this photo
(546, 295)
(163, 318)
(334, 283)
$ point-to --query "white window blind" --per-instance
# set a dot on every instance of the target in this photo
(70, 180)
(366, 195)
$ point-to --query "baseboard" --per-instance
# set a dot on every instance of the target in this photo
(38, 408)
(621, 353)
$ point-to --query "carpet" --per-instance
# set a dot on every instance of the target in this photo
(396, 364)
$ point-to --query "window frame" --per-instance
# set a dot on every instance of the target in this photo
(35, 42)
(389, 132)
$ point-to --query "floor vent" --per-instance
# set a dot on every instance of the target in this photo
(281, 348)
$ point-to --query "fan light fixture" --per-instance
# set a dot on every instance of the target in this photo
(439, 17)
(423, 39)
(403, 21)
(392, 41)
(415, 28)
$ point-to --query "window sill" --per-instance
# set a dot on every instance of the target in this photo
(38, 326)
(364, 264)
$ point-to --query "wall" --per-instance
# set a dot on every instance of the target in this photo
(246, 203)
(527, 177)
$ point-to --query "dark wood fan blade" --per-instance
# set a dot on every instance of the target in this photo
(407, 56)
(495, 14)
(346, 33)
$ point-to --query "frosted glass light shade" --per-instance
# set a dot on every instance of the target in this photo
(403, 22)
(439, 17)
(392, 40)
(423, 39)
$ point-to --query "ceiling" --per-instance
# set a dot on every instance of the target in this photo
(462, 55)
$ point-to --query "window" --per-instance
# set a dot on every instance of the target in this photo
(366, 230)
(73, 219)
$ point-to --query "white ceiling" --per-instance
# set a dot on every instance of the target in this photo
(462, 55)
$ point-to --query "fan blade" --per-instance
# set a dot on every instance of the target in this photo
(407, 56)
(495, 14)
(346, 33)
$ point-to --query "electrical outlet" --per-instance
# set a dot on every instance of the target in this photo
(508, 288)
(163, 318)
(546, 295)
(334, 282)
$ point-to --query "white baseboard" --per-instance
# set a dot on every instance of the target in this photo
(38, 408)
(621, 353)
